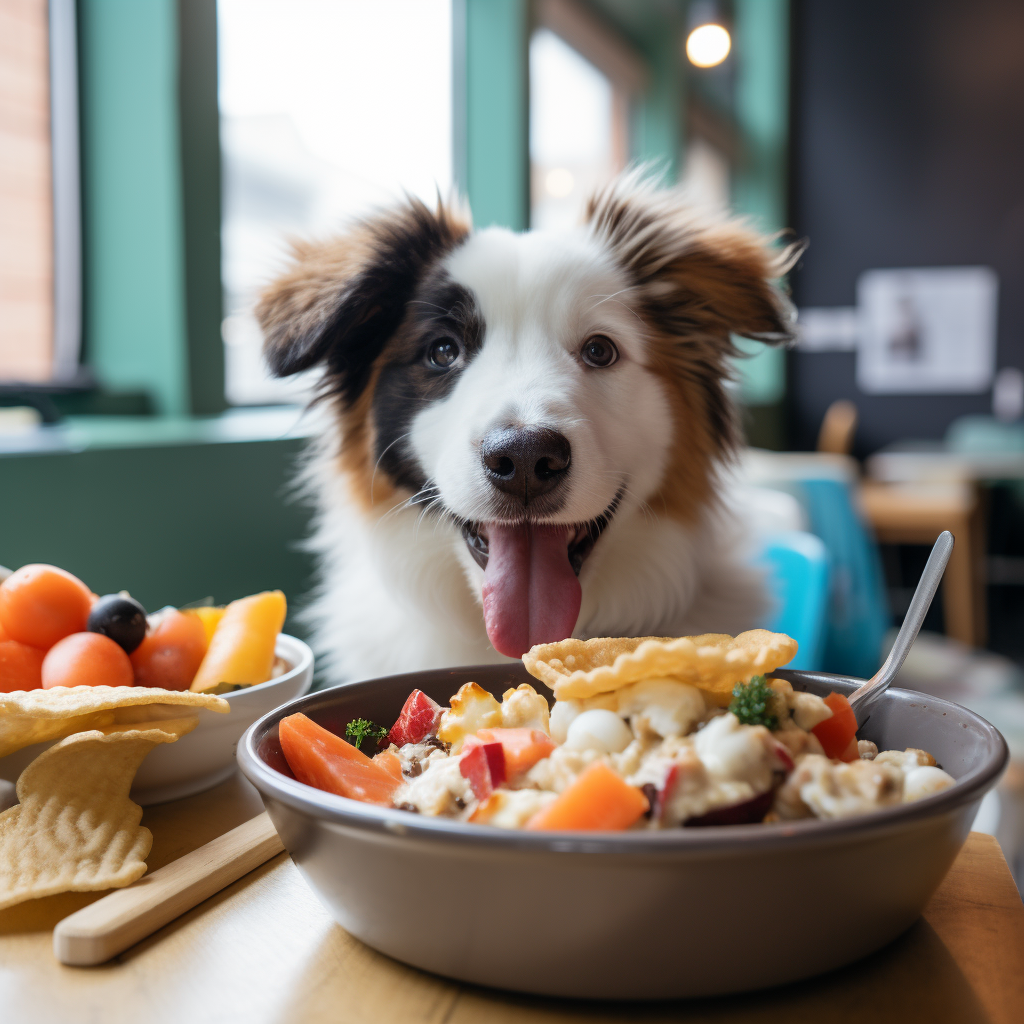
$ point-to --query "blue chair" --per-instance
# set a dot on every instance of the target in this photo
(797, 565)
(858, 606)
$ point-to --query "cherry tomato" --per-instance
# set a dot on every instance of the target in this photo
(41, 604)
(170, 655)
(20, 666)
(86, 659)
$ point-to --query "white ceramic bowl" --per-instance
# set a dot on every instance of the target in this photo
(206, 755)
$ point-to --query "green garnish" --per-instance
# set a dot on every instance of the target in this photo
(361, 729)
(750, 703)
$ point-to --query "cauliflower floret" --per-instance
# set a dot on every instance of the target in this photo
(798, 742)
(827, 790)
(737, 753)
(906, 760)
(666, 707)
(511, 808)
(925, 781)
(524, 708)
(472, 708)
(441, 789)
(557, 771)
(808, 709)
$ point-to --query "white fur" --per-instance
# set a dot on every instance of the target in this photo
(399, 590)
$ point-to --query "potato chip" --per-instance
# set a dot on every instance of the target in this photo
(37, 716)
(713, 661)
(75, 829)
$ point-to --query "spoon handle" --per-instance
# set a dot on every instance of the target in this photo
(919, 605)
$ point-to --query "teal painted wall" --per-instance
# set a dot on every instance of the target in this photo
(759, 184)
(135, 330)
(658, 117)
(496, 97)
(169, 523)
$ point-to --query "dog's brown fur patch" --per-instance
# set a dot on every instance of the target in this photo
(341, 302)
(698, 280)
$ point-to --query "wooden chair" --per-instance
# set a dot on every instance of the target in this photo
(916, 513)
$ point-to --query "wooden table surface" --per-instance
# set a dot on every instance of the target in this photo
(264, 950)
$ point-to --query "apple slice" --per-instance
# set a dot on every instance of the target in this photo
(484, 766)
(749, 812)
(417, 721)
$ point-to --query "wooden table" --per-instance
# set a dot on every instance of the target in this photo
(264, 950)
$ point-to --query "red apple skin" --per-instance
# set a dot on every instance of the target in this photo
(784, 758)
(484, 766)
(417, 721)
(750, 812)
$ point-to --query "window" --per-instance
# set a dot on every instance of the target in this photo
(328, 107)
(40, 285)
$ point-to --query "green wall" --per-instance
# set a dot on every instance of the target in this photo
(759, 183)
(135, 331)
(495, 95)
(171, 523)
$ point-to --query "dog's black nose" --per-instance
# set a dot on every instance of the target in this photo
(526, 463)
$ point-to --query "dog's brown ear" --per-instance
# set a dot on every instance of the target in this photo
(699, 275)
(342, 299)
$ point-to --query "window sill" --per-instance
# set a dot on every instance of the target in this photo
(92, 433)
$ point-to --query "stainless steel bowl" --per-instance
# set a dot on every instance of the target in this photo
(646, 915)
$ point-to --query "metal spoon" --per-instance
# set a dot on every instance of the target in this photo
(864, 698)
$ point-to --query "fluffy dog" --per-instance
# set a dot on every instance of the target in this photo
(526, 433)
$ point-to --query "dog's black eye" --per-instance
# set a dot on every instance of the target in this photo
(443, 353)
(599, 351)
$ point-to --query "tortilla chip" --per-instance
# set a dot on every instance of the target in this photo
(37, 716)
(75, 828)
(713, 661)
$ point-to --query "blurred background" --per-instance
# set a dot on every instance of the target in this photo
(156, 155)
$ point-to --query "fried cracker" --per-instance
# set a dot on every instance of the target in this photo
(37, 716)
(714, 662)
(75, 829)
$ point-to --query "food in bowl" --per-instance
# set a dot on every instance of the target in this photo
(648, 733)
(103, 708)
(55, 632)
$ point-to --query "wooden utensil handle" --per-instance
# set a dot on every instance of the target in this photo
(95, 933)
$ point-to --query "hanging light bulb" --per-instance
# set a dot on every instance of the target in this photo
(708, 42)
(708, 45)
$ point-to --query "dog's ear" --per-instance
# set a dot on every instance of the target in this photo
(699, 275)
(342, 299)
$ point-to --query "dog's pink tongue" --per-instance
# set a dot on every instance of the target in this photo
(531, 595)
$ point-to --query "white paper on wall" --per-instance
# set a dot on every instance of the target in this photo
(927, 330)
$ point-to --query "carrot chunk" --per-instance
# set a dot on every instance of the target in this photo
(523, 747)
(389, 762)
(319, 758)
(599, 800)
(835, 733)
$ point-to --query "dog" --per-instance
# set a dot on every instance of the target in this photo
(526, 435)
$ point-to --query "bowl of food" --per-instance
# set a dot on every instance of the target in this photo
(72, 661)
(692, 839)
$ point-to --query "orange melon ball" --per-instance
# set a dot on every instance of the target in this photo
(86, 659)
(171, 653)
(41, 604)
(21, 666)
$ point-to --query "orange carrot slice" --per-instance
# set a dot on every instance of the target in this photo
(319, 758)
(241, 650)
(389, 762)
(599, 800)
(836, 733)
(523, 748)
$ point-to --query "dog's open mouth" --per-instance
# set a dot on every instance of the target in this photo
(531, 593)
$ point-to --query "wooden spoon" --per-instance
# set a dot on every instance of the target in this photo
(105, 928)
